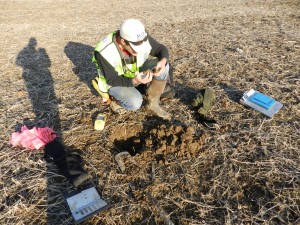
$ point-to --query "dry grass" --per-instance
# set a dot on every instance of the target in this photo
(245, 172)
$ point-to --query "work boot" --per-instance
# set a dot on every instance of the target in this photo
(70, 167)
(205, 99)
(69, 164)
(115, 107)
(207, 102)
(168, 93)
(154, 92)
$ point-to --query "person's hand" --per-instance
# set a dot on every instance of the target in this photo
(160, 67)
(142, 78)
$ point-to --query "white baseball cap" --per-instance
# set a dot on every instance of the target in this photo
(133, 31)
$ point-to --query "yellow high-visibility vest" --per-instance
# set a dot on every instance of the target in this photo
(108, 50)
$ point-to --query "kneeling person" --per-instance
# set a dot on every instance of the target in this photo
(122, 60)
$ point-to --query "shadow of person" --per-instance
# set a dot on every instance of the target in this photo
(81, 57)
(40, 87)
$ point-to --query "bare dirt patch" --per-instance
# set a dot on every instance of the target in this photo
(160, 140)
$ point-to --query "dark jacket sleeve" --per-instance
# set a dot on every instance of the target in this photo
(158, 50)
(111, 76)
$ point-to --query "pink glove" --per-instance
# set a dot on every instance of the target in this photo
(35, 138)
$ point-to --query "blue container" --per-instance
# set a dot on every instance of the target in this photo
(260, 102)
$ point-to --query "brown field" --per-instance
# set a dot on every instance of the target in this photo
(244, 170)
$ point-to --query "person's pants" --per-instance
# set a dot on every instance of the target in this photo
(130, 98)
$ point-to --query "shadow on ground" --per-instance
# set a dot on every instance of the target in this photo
(81, 57)
(40, 87)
